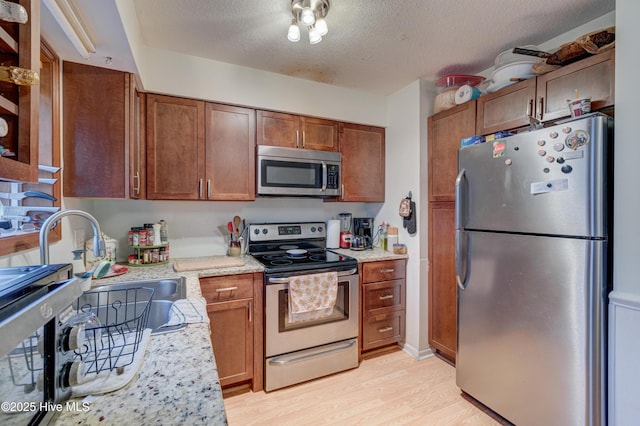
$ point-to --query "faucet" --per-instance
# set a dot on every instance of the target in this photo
(98, 241)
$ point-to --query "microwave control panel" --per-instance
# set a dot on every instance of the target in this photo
(333, 176)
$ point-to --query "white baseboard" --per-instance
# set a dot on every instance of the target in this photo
(417, 354)
(624, 353)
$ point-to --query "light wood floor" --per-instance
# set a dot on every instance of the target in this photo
(390, 389)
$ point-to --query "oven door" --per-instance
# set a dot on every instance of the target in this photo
(281, 336)
(287, 171)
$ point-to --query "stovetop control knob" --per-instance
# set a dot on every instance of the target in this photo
(313, 229)
(264, 231)
(256, 231)
(319, 228)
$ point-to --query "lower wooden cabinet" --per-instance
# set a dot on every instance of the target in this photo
(234, 306)
(442, 279)
(383, 303)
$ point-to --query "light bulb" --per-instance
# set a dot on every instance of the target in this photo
(307, 17)
(294, 31)
(321, 26)
(314, 35)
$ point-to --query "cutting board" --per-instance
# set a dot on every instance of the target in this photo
(207, 263)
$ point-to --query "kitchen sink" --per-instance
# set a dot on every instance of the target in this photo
(165, 292)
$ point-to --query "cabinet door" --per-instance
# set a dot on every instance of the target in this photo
(20, 46)
(592, 77)
(95, 132)
(442, 281)
(363, 156)
(319, 134)
(382, 330)
(385, 296)
(278, 129)
(137, 152)
(230, 149)
(507, 108)
(175, 148)
(232, 340)
(445, 131)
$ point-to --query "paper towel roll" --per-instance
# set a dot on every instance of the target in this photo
(466, 93)
(333, 233)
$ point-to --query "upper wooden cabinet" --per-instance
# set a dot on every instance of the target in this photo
(363, 157)
(95, 131)
(445, 131)
(211, 145)
(294, 131)
(545, 97)
(593, 77)
(20, 46)
(175, 148)
(508, 108)
(230, 151)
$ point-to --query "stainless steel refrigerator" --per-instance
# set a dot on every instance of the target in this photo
(533, 228)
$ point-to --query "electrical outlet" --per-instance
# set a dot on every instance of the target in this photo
(79, 238)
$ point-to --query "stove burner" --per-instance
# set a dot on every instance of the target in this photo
(272, 256)
(318, 257)
(281, 262)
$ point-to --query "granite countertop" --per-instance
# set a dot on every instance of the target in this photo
(178, 381)
(373, 255)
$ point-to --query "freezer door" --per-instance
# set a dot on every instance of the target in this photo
(530, 327)
(551, 181)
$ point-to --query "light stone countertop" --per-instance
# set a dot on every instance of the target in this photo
(178, 381)
(373, 255)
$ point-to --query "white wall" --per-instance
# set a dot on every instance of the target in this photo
(624, 350)
(403, 154)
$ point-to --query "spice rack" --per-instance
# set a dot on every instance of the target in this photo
(150, 246)
(149, 255)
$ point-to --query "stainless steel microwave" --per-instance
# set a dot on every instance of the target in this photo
(297, 172)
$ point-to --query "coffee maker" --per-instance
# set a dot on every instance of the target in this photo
(363, 227)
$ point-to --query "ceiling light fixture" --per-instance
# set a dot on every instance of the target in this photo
(311, 14)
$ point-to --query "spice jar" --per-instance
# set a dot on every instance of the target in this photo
(142, 237)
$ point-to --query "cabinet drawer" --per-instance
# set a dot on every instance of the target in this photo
(383, 270)
(383, 297)
(381, 330)
(228, 287)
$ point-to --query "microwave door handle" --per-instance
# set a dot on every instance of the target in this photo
(324, 177)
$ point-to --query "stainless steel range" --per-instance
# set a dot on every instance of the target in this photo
(311, 303)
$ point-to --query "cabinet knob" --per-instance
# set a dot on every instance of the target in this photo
(388, 296)
(384, 330)
(385, 271)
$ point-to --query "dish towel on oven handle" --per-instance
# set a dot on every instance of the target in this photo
(312, 296)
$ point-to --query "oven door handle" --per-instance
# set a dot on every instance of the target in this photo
(287, 359)
(285, 280)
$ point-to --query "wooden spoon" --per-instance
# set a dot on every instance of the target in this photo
(237, 221)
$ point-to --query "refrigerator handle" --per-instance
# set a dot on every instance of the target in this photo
(461, 259)
(460, 199)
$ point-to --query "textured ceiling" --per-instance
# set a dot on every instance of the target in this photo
(377, 46)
